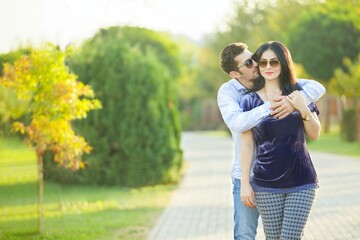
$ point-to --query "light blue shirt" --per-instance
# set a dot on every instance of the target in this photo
(229, 96)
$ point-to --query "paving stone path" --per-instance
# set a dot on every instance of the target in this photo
(201, 208)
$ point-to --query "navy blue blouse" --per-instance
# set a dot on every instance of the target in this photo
(282, 158)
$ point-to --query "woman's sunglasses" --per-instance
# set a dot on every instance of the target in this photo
(272, 62)
(248, 63)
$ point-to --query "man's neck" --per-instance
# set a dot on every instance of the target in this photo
(239, 81)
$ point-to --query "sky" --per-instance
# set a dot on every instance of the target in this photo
(69, 21)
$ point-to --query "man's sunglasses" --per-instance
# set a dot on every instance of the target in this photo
(248, 63)
(272, 62)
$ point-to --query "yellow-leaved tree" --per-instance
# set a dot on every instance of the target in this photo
(55, 98)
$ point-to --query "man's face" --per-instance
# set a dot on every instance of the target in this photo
(243, 73)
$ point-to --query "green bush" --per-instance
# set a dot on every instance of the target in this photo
(136, 136)
(348, 125)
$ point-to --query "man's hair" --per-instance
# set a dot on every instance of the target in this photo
(228, 54)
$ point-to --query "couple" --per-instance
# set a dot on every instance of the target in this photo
(269, 112)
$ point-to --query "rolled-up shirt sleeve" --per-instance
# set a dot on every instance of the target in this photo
(312, 90)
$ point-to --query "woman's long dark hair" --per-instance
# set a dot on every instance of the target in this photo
(288, 82)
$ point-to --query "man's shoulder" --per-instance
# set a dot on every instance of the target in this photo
(227, 83)
(228, 86)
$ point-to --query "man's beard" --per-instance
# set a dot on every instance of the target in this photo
(255, 75)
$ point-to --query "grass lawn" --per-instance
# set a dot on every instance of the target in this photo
(75, 212)
(71, 212)
(331, 143)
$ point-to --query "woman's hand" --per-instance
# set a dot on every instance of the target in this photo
(247, 195)
(298, 101)
(281, 107)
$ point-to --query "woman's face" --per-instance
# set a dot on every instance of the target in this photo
(269, 66)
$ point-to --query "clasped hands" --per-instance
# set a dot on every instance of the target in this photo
(282, 106)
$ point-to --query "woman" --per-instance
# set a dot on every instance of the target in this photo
(284, 180)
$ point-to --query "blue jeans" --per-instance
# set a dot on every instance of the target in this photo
(245, 218)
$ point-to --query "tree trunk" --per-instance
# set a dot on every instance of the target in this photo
(40, 190)
(327, 114)
(327, 119)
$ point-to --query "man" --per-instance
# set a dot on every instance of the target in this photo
(237, 62)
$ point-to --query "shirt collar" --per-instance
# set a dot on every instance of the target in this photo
(239, 87)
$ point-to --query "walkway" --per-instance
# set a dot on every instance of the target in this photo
(201, 208)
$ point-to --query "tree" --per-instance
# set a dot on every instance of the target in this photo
(249, 16)
(136, 136)
(346, 82)
(255, 21)
(55, 98)
(323, 37)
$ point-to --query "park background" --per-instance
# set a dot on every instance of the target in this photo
(154, 69)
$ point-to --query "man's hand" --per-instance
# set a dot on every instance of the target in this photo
(281, 107)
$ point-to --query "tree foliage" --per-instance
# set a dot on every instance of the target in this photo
(347, 81)
(244, 24)
(53, 96)
(252, 22)
(10, 106)
(136, 136)
(255, 22)
(324, 36)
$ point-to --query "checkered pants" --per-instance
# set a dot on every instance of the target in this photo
(284, 215)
